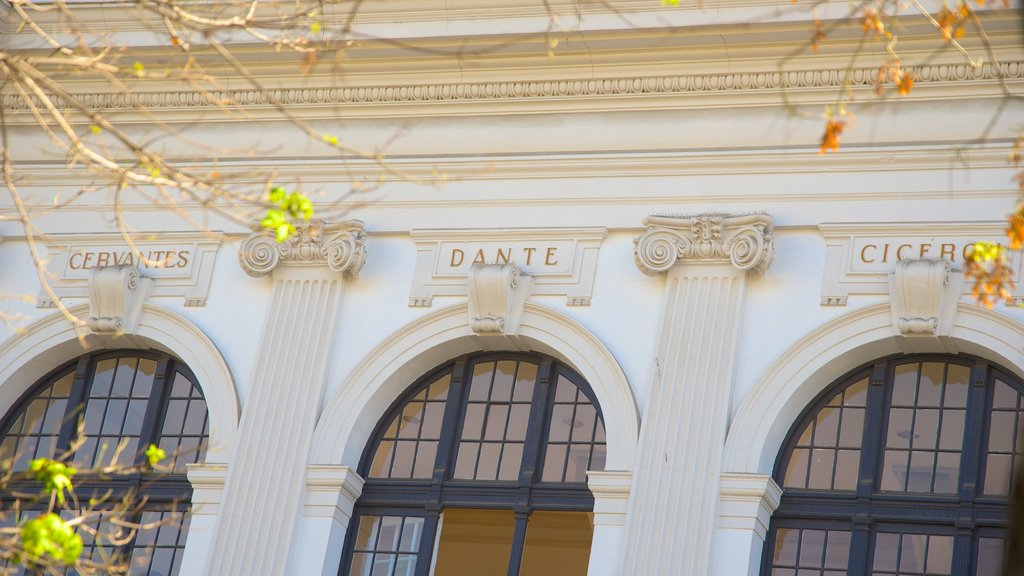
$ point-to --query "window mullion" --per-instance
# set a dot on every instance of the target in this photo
(425, 554)
(162, 380)
(870, 454)
(539, 406)
(970, 464)
(515, 560)
(75, 410)
(447, 445)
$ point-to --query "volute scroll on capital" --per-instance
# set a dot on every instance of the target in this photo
(745, 241)
(341, 246)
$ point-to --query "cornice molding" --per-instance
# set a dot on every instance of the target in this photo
(341, 246)
(743, 241)
(529, 90)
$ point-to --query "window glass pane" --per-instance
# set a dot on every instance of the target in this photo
(810, 550)
(1004, 442)
(33, 432)
(990, 556)
(575, 434)
(498, 415)
(796, 472)
(474, 542)
(409, 445)
(557, 543)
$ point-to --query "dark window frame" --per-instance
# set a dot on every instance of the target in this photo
(164, 491)
(427, 498)
(966, 514)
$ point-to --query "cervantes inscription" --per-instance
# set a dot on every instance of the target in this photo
(180, 264)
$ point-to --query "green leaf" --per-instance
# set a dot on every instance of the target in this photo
(154, 455)
(55, 476)
(49, 536)
(278, 195)
(284, 231)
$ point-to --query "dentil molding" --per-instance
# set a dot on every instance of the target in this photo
(340, 246)
(744, 241)
(534, 89)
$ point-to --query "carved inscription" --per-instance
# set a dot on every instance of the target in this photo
(559, 261)
(860, 257)
(883, 253)
(179, 263)
(85, 259)
(534, 258)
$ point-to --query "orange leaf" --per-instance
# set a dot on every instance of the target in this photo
(830, 140)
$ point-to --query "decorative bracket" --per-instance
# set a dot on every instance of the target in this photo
(744, 241)
(924, 295)
(341, 246)
(497, 294)
(116, 296)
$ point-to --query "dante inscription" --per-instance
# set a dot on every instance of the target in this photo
(534, 258)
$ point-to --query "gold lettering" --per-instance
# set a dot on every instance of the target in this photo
(924, 249)
(479, 258)
(183, 259)
(103, 258)
(864, 258)
(885, 253)
(503, 256)
(529, 254)
(550, 254)
(71, 261)
(87, 263)
(968, 248)
(154, 259)
(899, 251)
(460, 254)
(947, 250)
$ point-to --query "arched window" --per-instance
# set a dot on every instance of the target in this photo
(126, 399)
(480, 468)
(902, 468)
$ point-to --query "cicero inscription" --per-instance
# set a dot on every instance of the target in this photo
(861, 257)
(877, 253)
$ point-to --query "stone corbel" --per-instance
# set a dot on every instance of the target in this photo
(924, 295)
(116, 296)
(497, 294)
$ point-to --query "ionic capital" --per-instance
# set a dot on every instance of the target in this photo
(341, 246)
(743, 241)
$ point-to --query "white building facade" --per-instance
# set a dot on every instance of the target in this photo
(730, 355)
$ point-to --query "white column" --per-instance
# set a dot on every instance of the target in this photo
(207, 492)
(706, 259)
(265, 480)
(745, 506)
(331, 493)
(611, 503)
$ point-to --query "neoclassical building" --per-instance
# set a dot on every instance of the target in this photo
(644, 328)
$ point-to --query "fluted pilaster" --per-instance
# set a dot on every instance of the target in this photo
(265, 480)
(675, 489)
